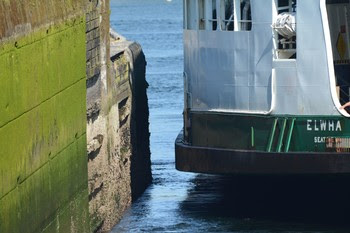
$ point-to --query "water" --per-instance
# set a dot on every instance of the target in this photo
(185, 202)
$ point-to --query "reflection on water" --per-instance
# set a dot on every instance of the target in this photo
(185, 202)
(213, 203)
(269, 204)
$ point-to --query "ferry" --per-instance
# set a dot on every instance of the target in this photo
(266, 87)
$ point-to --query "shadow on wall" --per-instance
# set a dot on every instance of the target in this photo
(140, 170)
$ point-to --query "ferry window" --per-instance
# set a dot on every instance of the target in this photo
(286, 6)
(201, 14)
(285, 28)
(237, 15)
(229, 15)
(246, 16)
(223, 15)
(214, 15)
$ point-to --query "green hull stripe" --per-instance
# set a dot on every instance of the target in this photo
(268, 133)
(289, 136)
(272, 135)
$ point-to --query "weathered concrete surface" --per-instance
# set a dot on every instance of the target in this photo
(118, 137)
(133, 85)
(19, 18)
(43, 170)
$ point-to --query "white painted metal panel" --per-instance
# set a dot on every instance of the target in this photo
(235, 71)
(230, 71)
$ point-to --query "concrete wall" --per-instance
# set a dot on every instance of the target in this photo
(74, 138)
(43, 170)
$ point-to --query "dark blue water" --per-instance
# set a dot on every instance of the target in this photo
(185, 202)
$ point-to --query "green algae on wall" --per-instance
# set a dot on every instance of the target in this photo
(43, 162)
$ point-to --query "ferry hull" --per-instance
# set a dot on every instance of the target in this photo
(230, 161)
